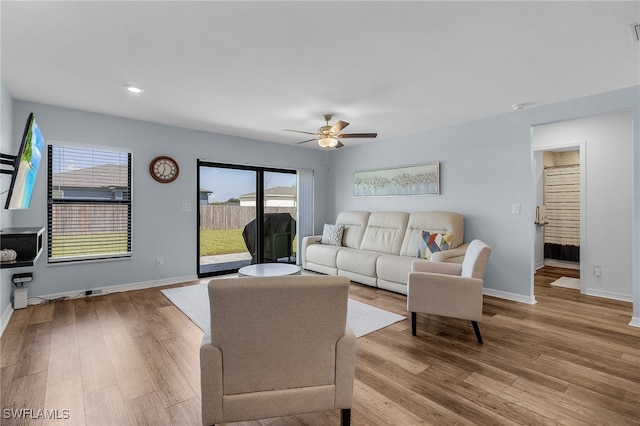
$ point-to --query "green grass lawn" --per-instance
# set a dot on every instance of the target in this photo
(224, 241)
(212, 242)
(76, 245)
(221, 241)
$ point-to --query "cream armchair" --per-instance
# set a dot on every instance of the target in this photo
(277, 346)
(449, 289)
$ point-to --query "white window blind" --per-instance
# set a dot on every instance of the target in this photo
(562, 200)
(89, 204)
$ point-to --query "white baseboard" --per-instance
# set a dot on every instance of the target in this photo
(6, 316)
(609, 295)
(562, 264)
(113, 289)
(8, 311)
(529, 300)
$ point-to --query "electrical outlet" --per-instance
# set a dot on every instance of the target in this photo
(597, 270)
(159, 261)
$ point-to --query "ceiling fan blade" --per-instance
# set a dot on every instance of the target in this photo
(340, 145)
(338, 126)
(299, 131)
(358, 135)
(308, 140)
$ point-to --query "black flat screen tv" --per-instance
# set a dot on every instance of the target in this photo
(27, 163)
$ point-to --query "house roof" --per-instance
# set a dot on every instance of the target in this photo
(275, 192)
(104, 176)
(251, 69)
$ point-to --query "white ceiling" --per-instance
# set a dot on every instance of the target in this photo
(251, 69)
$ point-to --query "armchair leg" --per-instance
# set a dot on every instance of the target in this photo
(345, 417)
(414, 317)
(477, 330)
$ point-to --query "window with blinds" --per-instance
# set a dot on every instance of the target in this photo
(89, 204)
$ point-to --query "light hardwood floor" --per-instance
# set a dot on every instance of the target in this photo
(132, 359)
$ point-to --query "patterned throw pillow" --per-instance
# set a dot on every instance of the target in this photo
(332, 234)
(433, 242)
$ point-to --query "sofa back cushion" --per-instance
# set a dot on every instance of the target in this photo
(385, 231)
(432, 222)
(354, 223)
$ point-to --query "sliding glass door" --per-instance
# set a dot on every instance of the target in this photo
(232, 197)
(280, 209)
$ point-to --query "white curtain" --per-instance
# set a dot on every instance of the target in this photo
(305, 207)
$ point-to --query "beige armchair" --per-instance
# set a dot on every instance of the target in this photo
(277, 346)
(449, 289)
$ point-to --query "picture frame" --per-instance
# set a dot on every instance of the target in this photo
(421, 179)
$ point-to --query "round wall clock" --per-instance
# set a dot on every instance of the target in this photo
(164, 169)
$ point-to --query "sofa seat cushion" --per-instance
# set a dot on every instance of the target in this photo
(362, 262)
(323, 254)
(395, 268)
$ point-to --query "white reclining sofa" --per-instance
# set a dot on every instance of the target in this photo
(378, 248)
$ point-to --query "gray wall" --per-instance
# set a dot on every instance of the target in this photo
(6, 147)
(160, 226)
(486, 167)
(608, 166)
(483, 171)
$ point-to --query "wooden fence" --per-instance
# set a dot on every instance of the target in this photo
(234, 216)
(83, 219)
(99, 219)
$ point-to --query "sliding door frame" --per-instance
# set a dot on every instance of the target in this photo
(260, 171)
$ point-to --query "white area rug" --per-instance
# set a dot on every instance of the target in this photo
(193, 300)
(567, 282)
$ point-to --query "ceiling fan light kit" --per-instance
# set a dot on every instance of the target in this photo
(327, 135)
(328, 142)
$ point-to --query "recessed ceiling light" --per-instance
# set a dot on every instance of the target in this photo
(134, 89)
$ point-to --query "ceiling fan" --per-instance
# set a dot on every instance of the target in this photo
(327, 135)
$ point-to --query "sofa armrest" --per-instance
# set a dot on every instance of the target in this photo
(455, 255)
(211, 381)
(306, 242)
(437, 267)
(345, 368)
(446, 295)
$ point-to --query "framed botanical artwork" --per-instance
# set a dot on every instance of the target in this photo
(410, 180)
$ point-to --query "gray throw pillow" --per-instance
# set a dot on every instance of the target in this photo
(332, 234)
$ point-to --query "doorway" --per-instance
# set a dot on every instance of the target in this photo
(560, 220)
(605, 142)
(231, 199)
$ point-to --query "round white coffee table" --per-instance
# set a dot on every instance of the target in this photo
(269, 270)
